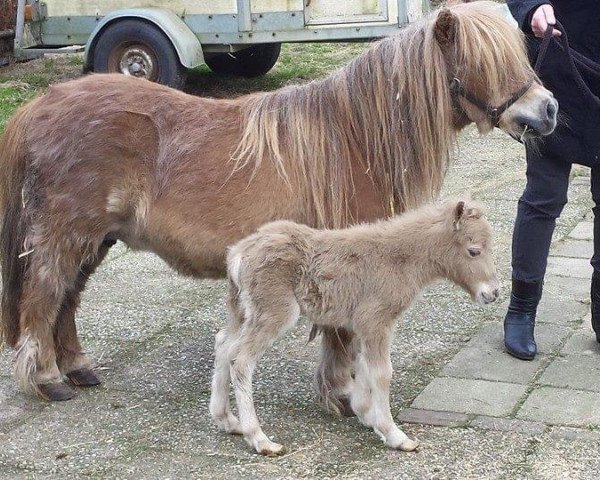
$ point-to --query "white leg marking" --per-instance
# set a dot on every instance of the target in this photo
(255, 337)
(220, 407)
(371, 397)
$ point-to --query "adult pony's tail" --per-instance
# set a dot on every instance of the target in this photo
(12, 236)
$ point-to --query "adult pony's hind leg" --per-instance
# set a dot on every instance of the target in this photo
(71, 359)
(333, 378)
(50, 271)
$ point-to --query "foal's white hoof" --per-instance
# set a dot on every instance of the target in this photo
(270, 449)
(408, 445)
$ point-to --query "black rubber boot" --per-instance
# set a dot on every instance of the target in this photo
(595, 298)
(519, 322)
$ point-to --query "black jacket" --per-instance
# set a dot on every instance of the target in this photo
(577, 138)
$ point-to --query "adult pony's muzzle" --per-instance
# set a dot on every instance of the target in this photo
(541, 124)
(534, 115)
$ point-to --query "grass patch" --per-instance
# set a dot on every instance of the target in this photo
(11, 98)
(298, 62)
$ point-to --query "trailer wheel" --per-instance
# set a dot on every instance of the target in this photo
(136, 48)
(249, 62)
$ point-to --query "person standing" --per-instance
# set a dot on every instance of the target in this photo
(575, 140)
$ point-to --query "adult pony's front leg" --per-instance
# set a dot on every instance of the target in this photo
(71, 359)
(333, 378)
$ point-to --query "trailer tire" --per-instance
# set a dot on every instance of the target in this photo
(249, 62)
(139, 49)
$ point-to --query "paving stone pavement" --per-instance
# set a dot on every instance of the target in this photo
(478, 413)
(483, 387)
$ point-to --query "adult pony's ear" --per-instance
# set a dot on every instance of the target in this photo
(459, 212)
(445, 28)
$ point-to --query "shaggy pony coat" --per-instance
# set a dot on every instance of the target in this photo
(360, 279)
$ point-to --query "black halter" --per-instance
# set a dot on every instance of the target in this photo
(493, 113)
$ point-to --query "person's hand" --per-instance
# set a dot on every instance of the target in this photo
(541, 18)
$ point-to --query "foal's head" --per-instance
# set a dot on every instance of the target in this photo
(491, 80)
(468, 260)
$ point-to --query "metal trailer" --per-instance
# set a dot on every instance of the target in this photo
(161, 39)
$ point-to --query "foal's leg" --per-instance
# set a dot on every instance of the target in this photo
(371, 394)
(220, 406)
(71, 359)
(255, 337)
(333, 378)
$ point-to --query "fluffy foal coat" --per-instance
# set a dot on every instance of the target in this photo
(362, 279)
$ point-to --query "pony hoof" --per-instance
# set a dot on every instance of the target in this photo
(409, 445)
(345, 407)
(273, 450)
(84, 377)
(56, 392)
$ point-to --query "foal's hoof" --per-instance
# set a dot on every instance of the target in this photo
(409, 445)
(345, 407)
(272, 449)
(84, 377)
(56, 392)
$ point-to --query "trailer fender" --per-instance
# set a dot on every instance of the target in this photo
(184, 41)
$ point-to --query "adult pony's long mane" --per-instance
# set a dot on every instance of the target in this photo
(389, 111)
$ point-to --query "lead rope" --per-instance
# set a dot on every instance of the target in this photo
(575, 58)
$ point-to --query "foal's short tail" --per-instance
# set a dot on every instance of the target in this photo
(12, 237)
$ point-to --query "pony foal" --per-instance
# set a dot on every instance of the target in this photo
(360, 278)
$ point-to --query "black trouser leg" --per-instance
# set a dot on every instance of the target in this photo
(540, 205)
(595, 287)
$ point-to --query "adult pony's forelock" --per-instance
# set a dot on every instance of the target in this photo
(490, 48)
(387, 113)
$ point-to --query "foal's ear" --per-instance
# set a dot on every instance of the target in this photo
(445, 28)
(459, 211)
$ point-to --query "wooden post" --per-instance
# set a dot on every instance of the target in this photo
(8, 11)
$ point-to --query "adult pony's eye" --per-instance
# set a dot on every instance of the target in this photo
(474, 251)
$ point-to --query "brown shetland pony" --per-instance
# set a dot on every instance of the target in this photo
(108, 158)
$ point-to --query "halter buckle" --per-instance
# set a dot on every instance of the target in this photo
(455, 86)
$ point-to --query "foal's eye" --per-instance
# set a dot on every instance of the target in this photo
(473, 251)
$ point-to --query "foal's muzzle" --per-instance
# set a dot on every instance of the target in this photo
(488, 293)
(490, 297)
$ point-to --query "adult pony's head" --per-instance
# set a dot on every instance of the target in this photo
(391, 114)
(492, 81)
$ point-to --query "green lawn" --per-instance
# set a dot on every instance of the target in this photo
(11, 97)
(297, 63)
